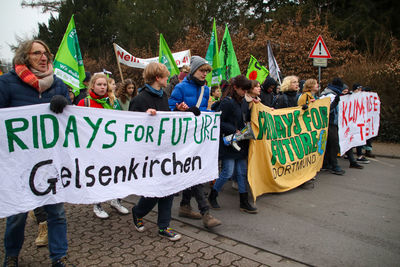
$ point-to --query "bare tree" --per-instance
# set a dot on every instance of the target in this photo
(46, 6)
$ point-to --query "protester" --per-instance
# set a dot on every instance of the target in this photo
(151, 99)
(171, 85)
(332, 145)
(235, 113)
(83, 91)
(32, 81)
(125, 92)
(111, 94)
(98, 98)
(192, 94)
(289, 89)
(40, 216)
(310, 90)
(215, 96)
(268, 92)
(252, 95)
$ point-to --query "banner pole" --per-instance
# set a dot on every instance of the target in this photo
(119, 66)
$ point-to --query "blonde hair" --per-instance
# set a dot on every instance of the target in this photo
(154, 70)
(287, 82)
(110, 92)
(94, 78)
(309, 84)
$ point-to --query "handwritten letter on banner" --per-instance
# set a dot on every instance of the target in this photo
(289, 146)
(358, 119)
(87, 155)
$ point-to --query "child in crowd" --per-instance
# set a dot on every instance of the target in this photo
(215, 96)
(152, 98)
(98, 98)
(111, 94)
(126, 91)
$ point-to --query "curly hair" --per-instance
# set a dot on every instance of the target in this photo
(121, 92)
(287, 81)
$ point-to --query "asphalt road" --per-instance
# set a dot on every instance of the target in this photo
(350, 220)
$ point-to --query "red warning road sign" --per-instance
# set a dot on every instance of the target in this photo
(319, 49)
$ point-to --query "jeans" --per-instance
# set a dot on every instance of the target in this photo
(146, 204)
(350, 155)
(40, 214)
(57, 232)
(198, 192)
(229, 167)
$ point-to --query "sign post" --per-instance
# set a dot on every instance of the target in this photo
(320, 54)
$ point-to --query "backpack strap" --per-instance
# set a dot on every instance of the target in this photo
(200, 97)
(86, 102)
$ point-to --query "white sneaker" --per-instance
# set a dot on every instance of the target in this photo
(235, 185)
(116, 204)
(98, 210)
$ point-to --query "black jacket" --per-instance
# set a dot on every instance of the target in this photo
(287, 99)
(233, 117)
(146, 99)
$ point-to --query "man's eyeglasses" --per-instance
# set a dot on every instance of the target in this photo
(39, 54)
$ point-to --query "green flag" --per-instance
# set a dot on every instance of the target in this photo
(68, 63)
(212, 56)
(255, 71)
(165, 57)
(227, 57)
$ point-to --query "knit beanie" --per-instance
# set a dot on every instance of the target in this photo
(338, 83)
(196, 62)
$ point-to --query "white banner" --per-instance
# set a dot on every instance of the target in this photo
(87, 155)
(359, 118)
(181, 58)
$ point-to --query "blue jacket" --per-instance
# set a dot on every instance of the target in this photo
(15, 93)
(188, 91)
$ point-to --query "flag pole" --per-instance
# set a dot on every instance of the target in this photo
(119, 66)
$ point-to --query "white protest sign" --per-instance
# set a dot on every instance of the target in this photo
(181, 58)
(359, 118)
(87, 155)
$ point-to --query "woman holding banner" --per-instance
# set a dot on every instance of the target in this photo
(235, 113)
(98, 98)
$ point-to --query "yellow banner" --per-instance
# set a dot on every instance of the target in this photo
(289, 146)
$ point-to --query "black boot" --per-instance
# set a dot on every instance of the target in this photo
(245, 205)
(212, 198)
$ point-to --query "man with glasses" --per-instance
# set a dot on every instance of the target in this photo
(192, 95)
(32, 81)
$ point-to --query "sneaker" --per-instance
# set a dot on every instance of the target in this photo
(138, 222)
(235, 185)
(355, 165)
(63, 262)
(362, 160)
(338, 171)
(116, 204)
(345, 156)
(42, 239)
(169, 233)
(98, 210)
(11, 261)
(187, 212)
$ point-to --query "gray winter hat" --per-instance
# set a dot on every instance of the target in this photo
(196, 62)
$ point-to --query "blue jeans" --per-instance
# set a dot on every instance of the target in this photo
(229, 167)
(57, 232)
(146, 204)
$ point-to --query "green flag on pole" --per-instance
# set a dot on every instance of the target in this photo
(255, 71)
(212, 56)
(227, 57)
(68, 63)
(165, 57)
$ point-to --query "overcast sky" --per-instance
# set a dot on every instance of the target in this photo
(17, 21)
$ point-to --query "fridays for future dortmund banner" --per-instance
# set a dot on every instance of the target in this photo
(289, 146)
(358, 119)
(87, 155)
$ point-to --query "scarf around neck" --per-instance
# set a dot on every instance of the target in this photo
(154, 91)
(101, 101)
(196, 81)
(41, 81)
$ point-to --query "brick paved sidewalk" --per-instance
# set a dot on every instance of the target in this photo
(115, 242)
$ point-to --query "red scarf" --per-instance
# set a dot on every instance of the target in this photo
(27, 76)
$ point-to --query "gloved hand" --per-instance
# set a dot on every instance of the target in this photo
(304, 107)
(196, 111)
(58, 103)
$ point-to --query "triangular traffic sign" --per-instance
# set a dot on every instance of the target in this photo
(319, 49)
